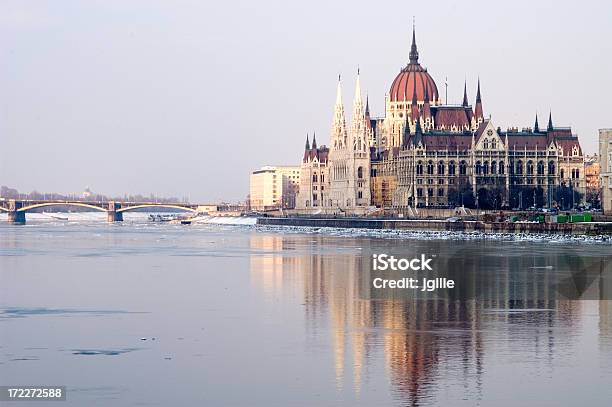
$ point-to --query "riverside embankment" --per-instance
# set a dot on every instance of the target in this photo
(582, 228)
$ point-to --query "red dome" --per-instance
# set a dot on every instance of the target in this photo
(413, 75)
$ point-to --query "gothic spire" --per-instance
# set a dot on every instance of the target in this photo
(339, 136)
(406, 133)
(550, 123)
(414, 54)
(314, 140)
(358, 130)
(307, 142)
(414, 109)
(367, 108)
(536, 126)
(426, 107)
(339, 92)
(478, 108)
(465, 98)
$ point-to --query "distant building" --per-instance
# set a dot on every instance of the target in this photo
(274, 187)
(313, 175)
(592, 171)
(87, 193)
(605, 163)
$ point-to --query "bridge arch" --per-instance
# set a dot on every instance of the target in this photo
(44, 204)
(169, 206)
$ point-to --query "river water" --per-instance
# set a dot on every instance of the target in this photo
(148, 314)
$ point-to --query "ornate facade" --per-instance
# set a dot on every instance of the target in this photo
(423, 153)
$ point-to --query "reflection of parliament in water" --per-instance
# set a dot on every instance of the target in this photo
(421, 339)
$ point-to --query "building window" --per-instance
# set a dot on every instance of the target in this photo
(430, 167)
(485, 168)
(493, 167)
(360, 172)
(359, 194)
(451, 168)
(519, 168)
(462, 168)
(419, 192)
(551, 168)
(430, 192)
(540, 167)
(314, 177)
(441, 168)
(478, 168)
(419, 168)
(441, 192)
(529, 167)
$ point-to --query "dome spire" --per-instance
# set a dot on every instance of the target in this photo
(414, 54)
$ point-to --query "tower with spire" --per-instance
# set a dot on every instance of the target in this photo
(350, 157)
(478, 113)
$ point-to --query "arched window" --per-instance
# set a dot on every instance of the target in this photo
(540, 167)
(314, 177)
(494, 144)
(485, 144)
(419, 168)
(430, 167)
(478, 168)
(562, 173)
(493, 167)
(485, 168)
(577, 172)
(462, 168)
(551, 168)
(360, 172)
(451, 168)
(573, 173)
(502, 168)
(441, 168)
(519, 168)
(529, 167)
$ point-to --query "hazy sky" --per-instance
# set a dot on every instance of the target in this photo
(186, 97)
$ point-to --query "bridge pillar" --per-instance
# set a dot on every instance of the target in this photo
(14, 216)
(113, 215)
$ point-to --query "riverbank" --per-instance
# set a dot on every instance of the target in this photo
(583, 228)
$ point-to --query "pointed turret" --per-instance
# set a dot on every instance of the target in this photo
(478, 109)
(426, 107)
(414, 107)
(338, 136)
(465, 98)
(550, 123)
(406, 133)
(418, 134)
(314, 141)
(536, 126)
(358, 133)
(367, 108)
(414, 53)
(306, 150)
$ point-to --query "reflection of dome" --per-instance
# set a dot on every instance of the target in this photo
(412, 75)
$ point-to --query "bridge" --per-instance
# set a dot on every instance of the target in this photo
(114, 209)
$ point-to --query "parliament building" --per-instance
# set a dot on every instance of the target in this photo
(423, 153)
